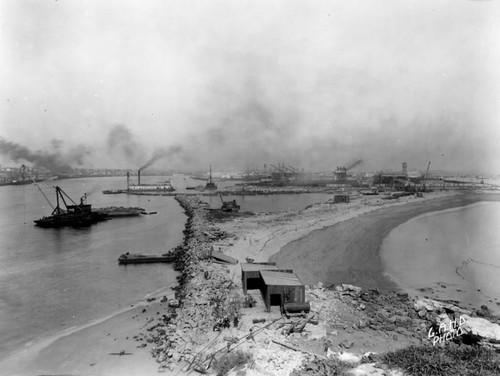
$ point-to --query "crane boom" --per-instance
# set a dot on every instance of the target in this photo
(43, 194)
(355, 164)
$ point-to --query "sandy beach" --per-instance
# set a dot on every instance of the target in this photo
(94, 349)
(348, 252)
(325, 242)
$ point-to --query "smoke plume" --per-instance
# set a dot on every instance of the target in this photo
(54, 161)
(122, 143)
(162, 153)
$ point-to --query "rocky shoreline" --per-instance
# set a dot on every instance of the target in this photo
(210, 318)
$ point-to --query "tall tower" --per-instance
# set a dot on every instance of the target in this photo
(405, 169)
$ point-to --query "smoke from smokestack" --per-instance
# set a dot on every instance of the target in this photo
(51, 161)
(123, 144)
(162, 153)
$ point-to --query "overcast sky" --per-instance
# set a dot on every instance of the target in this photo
(241, 83)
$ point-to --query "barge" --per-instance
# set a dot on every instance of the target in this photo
(139, 258)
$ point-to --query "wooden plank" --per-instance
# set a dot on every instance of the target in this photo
(299, 349)
(224, 258)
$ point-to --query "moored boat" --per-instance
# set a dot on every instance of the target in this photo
(114, 211)
(139, 258)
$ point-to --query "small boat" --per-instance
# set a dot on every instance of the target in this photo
(139, 258)
(229, 206)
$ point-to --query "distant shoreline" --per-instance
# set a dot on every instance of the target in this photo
(349, 251)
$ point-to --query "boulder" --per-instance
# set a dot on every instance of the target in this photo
(488, 331)
(351, 288)
(424, 304)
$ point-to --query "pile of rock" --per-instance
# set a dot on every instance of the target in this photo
(206, 298)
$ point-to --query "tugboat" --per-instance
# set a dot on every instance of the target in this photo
(210, 186)
(76, 215)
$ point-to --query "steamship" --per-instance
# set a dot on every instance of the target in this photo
(160, 187)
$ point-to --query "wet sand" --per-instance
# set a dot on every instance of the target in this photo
(92, 349)
(349, 251)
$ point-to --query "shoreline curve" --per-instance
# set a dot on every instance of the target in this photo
(349, 251)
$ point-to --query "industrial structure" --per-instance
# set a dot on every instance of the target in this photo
(279, 287)
(341, 172)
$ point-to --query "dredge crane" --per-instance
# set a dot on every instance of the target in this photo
(341, 172)
(423, 187)
(229, 206)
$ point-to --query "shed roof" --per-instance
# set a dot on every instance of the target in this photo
(272, 278)
(257, 267)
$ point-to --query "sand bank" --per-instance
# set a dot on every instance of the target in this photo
(92, 349)
(348, 252)
(335, 243)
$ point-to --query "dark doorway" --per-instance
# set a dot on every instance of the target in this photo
(275, 300)
(253, 283)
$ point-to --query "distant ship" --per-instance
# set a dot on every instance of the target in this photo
(164, 186)
(210, 186)
(76, 215)
(160, 187)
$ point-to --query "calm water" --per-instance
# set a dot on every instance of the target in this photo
(457, 248)
(53, 279)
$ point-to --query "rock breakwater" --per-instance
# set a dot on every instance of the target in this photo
(206, 299)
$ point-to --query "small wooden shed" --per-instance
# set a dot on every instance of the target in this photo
(341, 198)
(250, 275)
(281, 287)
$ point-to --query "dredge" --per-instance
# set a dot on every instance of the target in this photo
(76, 215)
(229, 206)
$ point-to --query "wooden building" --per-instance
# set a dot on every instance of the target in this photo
(280, 287)
(250, 275)
(341, 198)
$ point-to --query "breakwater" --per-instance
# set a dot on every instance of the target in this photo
(203, 298)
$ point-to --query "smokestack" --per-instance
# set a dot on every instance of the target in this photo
(128, 181)
(139, 177)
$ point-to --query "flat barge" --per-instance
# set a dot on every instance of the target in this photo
(139, 258)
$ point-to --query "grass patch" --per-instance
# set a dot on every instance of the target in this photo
(450, 360)
(231, 360)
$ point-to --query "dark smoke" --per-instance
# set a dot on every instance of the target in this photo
(162, 153)
(122, 142)
(54, 161)
(50, 161)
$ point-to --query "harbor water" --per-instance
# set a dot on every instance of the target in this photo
(452, 254)
(55, 279)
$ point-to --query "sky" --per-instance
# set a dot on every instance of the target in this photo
(239, 84)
